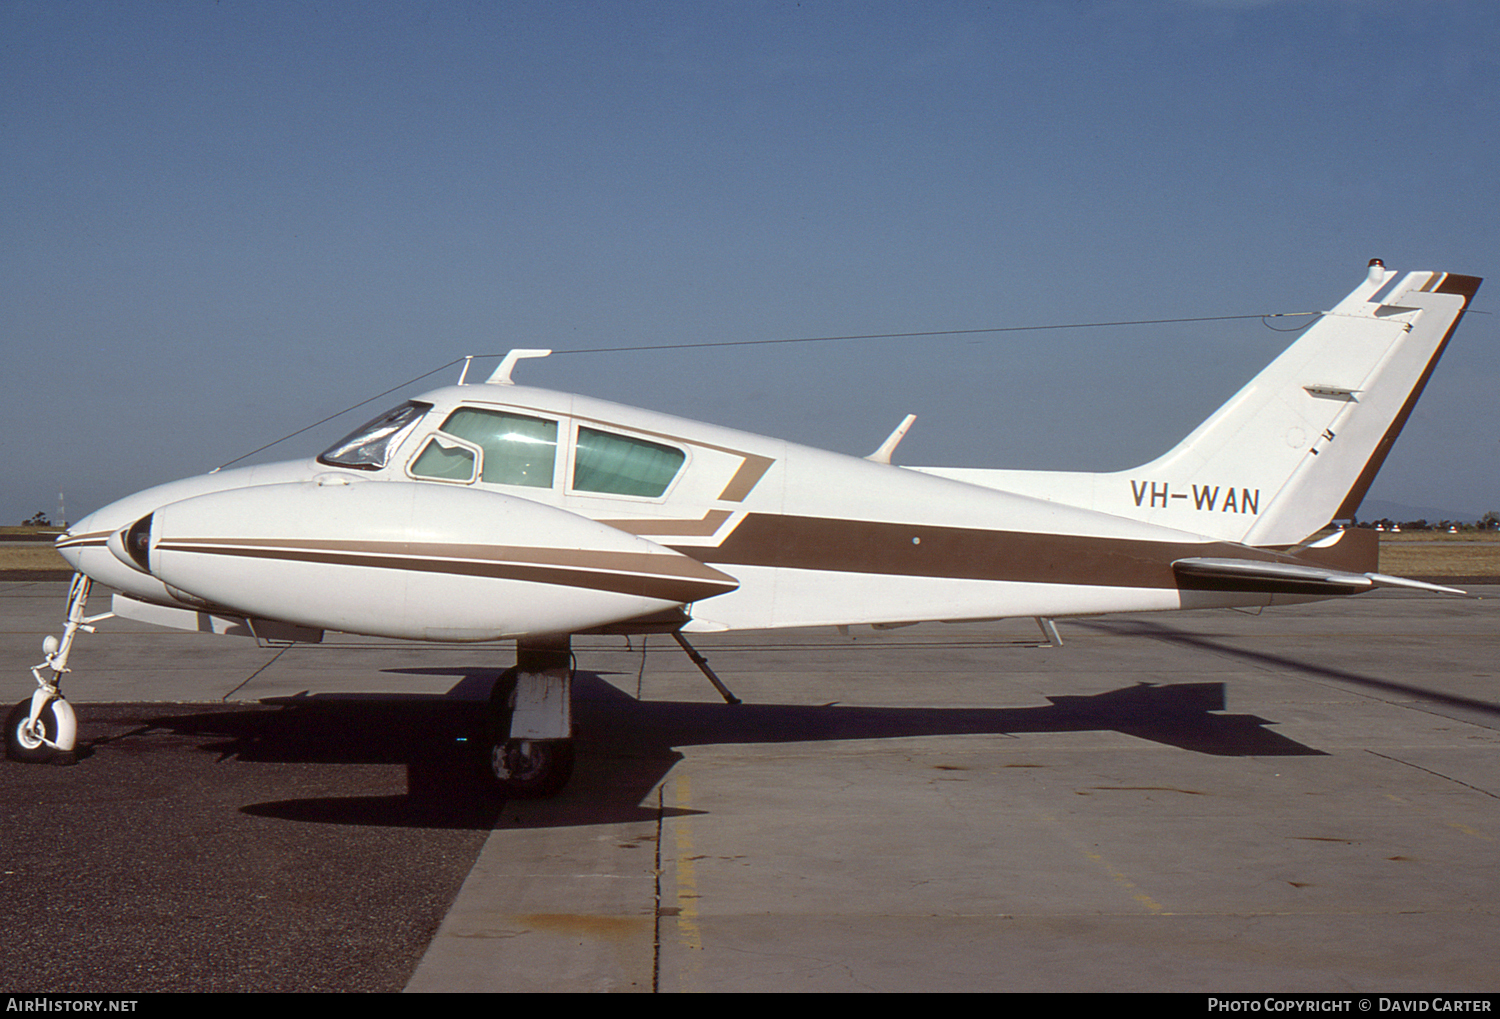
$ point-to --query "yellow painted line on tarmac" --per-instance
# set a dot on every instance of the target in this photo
(1470, 831)
(687, 873)
(1124, 882)
(1115, 874)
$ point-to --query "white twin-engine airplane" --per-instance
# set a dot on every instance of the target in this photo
(494, 511)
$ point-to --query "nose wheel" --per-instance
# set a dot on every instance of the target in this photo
(43, 740)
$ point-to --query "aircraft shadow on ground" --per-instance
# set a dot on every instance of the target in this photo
(626, 747)
(1220, 644)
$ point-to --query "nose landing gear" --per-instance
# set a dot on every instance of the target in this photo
(43, 727)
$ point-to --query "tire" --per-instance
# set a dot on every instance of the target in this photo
(24, 746)
(530, 769)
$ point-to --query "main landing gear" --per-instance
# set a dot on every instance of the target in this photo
(530, 738)
(43, 728)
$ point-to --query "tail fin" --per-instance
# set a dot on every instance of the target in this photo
(1300, 444)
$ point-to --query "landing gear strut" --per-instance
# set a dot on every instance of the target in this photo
(531, 722)
(43, 727)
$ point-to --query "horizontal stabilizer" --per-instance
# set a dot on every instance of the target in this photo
(1207, 574)
(1255, 575)
(1382, 580)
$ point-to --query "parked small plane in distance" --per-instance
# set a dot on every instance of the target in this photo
(494, 511)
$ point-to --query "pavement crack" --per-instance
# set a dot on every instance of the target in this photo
(1439, 774)
(656, 912)
(246, 681)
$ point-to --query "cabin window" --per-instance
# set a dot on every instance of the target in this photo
(518, 450)
(369, 446)
(621, 465)
(446, 460)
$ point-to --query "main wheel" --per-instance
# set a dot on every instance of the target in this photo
(530, 769)
(25, 743)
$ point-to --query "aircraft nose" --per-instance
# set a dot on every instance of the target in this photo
(71, 543)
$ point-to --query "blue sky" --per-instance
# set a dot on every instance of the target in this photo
(223, 221)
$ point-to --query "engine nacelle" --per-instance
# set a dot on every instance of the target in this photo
(411, 560)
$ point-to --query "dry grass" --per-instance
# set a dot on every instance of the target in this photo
(31, 557)
(1462, 537)
(1439, 554)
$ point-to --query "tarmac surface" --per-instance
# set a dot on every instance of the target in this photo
(1307, 799)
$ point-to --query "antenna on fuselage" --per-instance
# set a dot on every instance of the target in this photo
(883, 454)
(502, 373)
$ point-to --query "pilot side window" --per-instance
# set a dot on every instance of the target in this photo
(517, 450)
(444, 459)
(622, 465)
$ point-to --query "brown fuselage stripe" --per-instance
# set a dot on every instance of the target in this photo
(747, 477)
(84, 540)
(667, 588)
(681, 528)
(651, 564)
(958, 553)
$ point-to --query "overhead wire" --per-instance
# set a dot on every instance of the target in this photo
(1264, 320)
(798, 339)
(930, 332)
(321, 421)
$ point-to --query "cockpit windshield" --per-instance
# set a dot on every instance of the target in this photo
(369, 446)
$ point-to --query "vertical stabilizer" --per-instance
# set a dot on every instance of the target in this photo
(1300, 444)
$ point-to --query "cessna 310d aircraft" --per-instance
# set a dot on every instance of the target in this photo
(494, 511)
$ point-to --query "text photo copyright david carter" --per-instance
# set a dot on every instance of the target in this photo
(1371, 1003)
